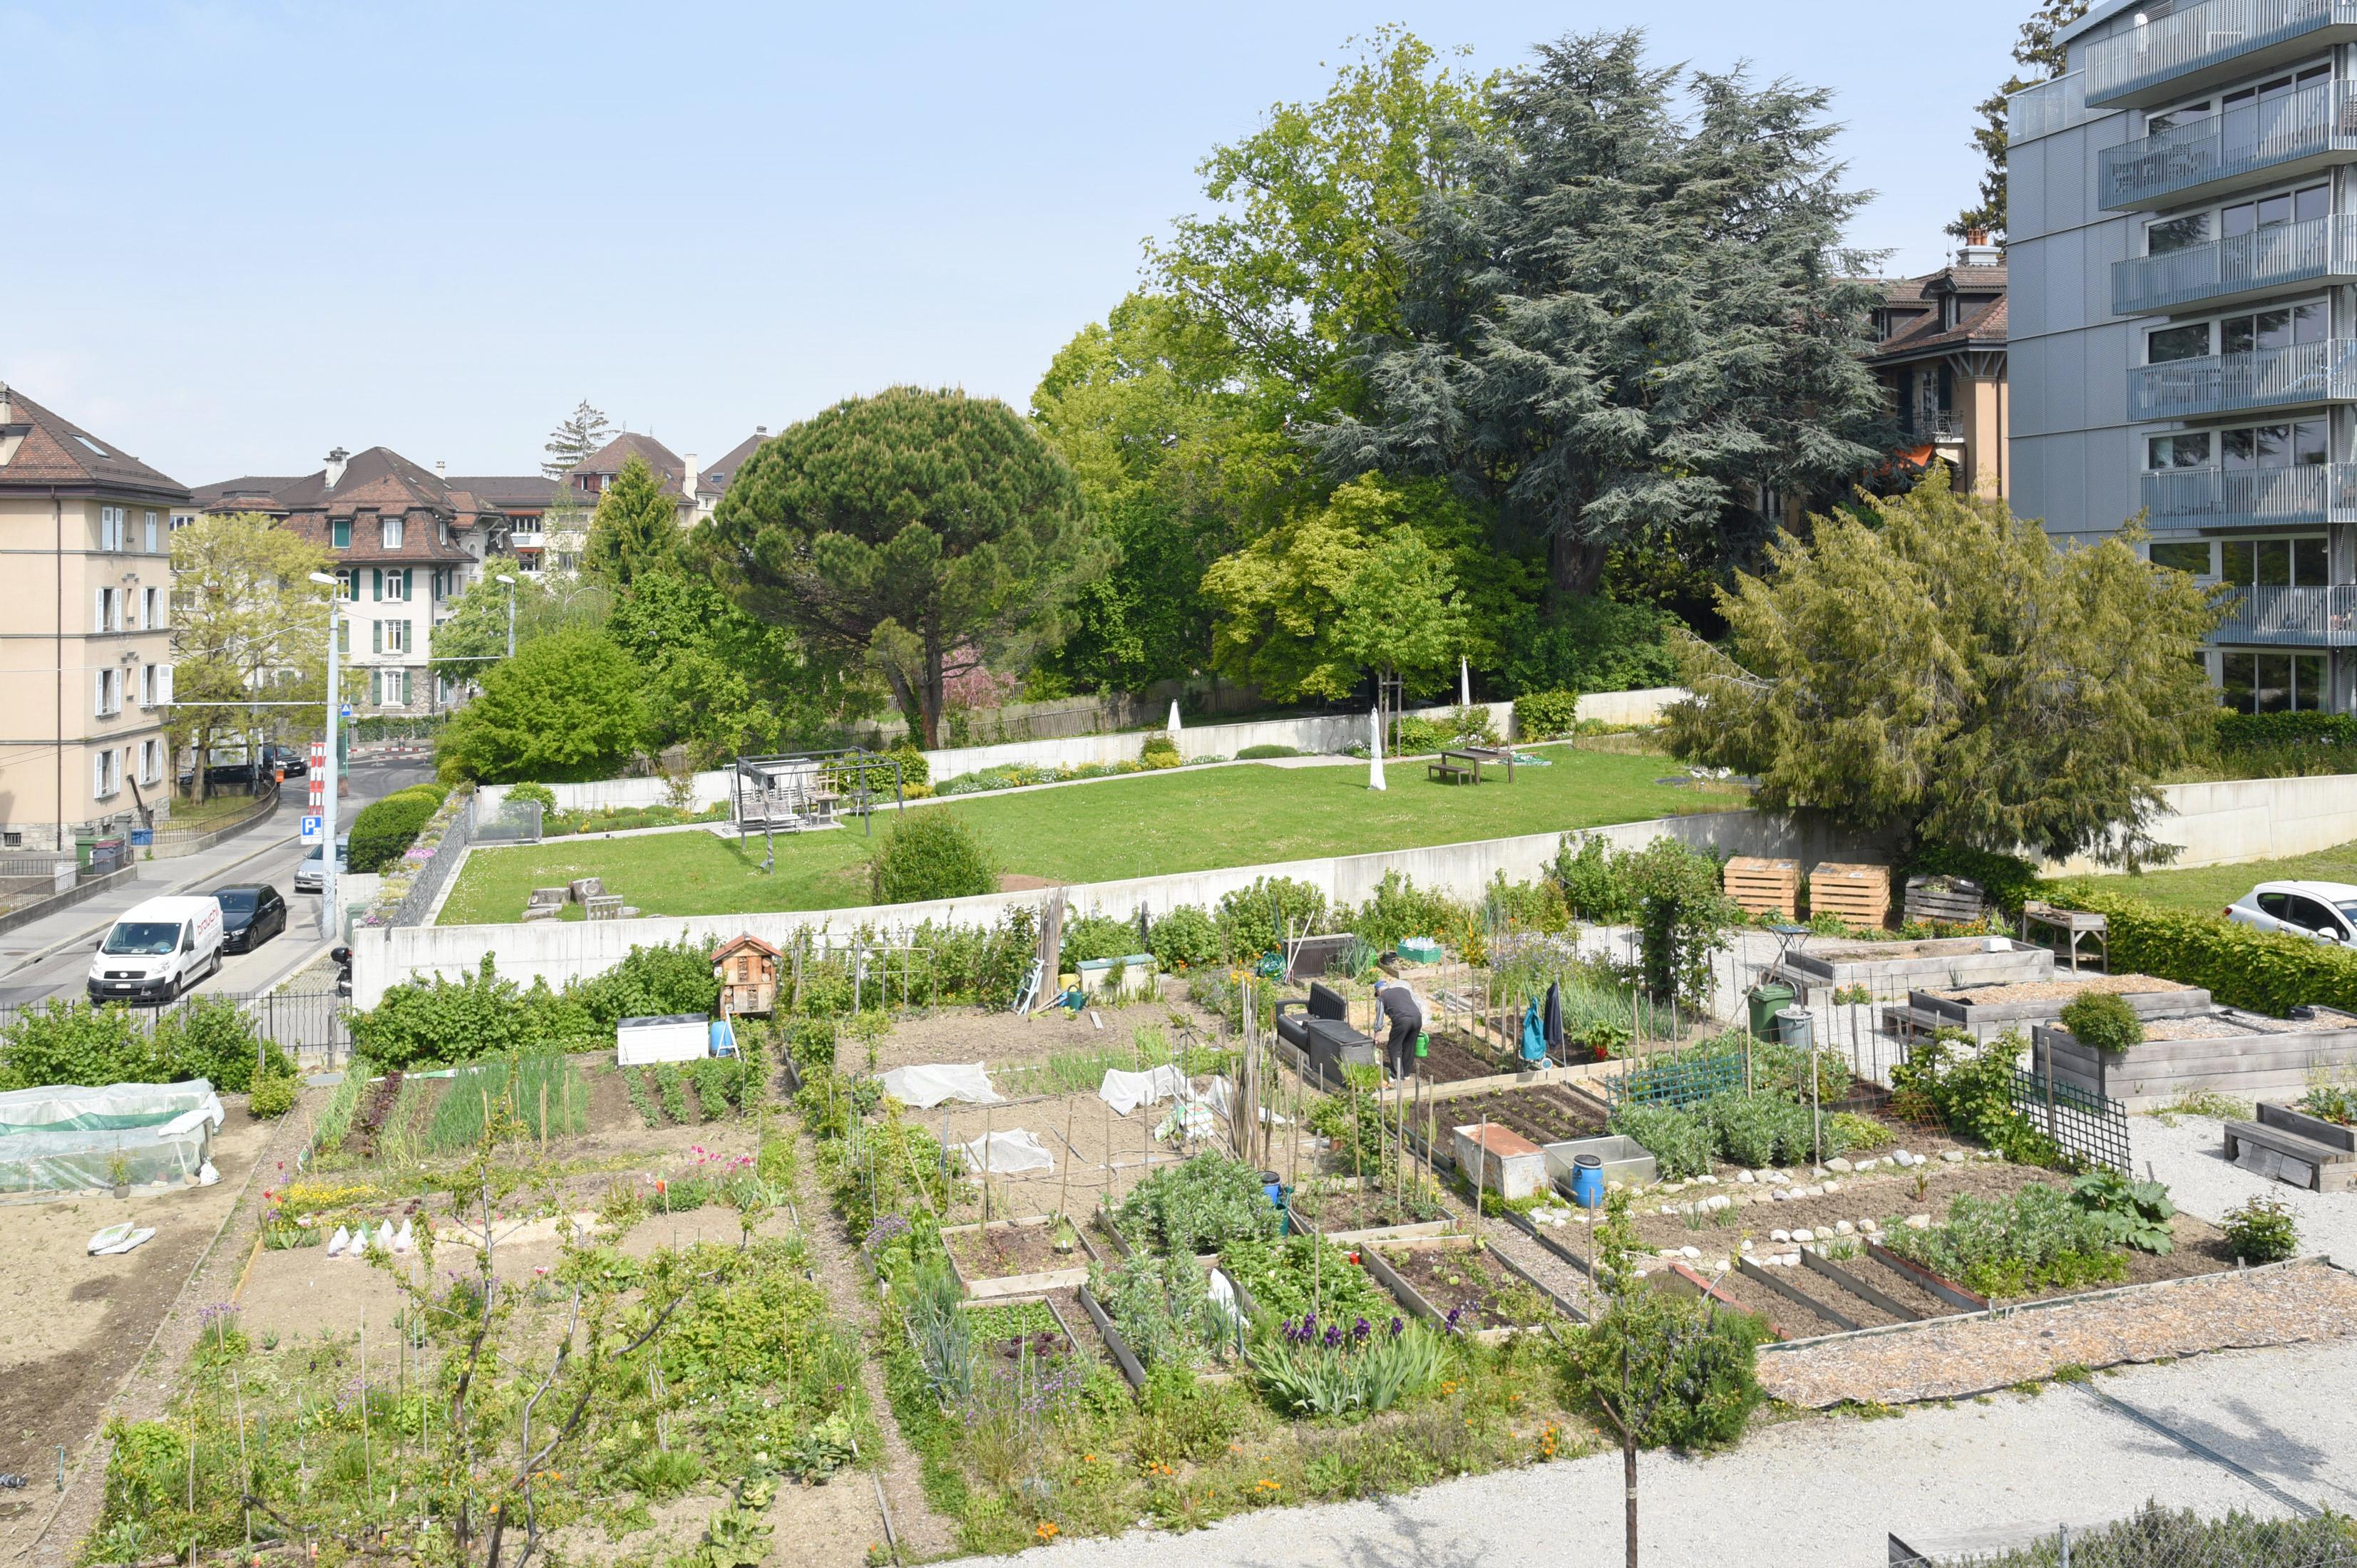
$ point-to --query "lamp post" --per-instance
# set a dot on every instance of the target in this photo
(510, 582)
(328, 922)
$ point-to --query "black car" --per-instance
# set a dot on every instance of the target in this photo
(243, 771)
(251, 913)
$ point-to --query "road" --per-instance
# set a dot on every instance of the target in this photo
(61, 974)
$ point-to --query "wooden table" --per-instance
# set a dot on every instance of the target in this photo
(1477, 755)
(2072, 924)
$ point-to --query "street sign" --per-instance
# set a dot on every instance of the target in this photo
(347, 711)
(314, 828)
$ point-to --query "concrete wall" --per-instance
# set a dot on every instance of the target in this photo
(1325, 734)
(562, 951)
(2250, 819)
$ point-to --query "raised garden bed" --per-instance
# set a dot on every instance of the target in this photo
(1016, 1257)
(1988, 1012)
(1544, 1114)
(1952, 963)
(2243, 1054)
(1457, 1283)
(2287, 1144)
(1450, 1058)
(1351, 1209)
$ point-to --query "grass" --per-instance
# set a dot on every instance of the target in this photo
(1144, 825)
(2209, 888)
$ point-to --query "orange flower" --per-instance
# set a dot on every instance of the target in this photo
(1047, 1531)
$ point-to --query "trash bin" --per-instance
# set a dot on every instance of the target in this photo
(1769, 998)
(83, 844)
(1796, 1026)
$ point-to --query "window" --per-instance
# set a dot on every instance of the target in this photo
(110, 694)
(151, 760)
(150, 535)
(339, 533)
(2273, 562)
(2163, 235)
(152, 618)
(110, 527)
(2314, 915)
(2273, 682)
(105, 774)
(2278, 905)
(2187, 449)
(396, 585)
(148, 685)
(389, 688)
(396, 637)
(344, 588)
(2193, 557)
(392, 533)
(2292, 445)
(110, 611)
(2176, 234)
(2168, 343)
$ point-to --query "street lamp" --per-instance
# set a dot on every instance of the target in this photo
(327, 921)
(510, 582)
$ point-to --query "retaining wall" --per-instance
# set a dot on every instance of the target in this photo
(558, 952)
(2249, 819)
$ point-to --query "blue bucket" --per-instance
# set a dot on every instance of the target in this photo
(1588, 1181)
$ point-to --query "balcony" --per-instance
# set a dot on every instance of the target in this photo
(526, 539)
(2292, 135)
(2247, 267)
(1946, 429)
(2202, 45)
(2230, 383)
(2251, 498)
(2295, 617)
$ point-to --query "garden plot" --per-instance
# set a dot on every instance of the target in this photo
(1362, 1209)
(1544, 1114)
(1009, 1040)
(1951, 962)
(1014, 1257)
(1464, 1286)
(2222, 1050)
(1987, 1011)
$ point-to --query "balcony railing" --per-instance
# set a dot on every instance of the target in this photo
(2047, 108)
(2215, 34)
(2310, 125)
(1946, 428)
(2266, 259)
(2298, 617)
(524, 538)
(2228, 383)
(2227, 498)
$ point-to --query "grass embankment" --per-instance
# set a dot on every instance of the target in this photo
(1145, 825)
(2211, 888)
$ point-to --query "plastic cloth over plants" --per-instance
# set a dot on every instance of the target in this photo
(1008, 1154)
(926, 1086)
(1125, 1092)
(66, 1138)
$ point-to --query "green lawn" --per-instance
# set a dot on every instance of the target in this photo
(2213, 887)
(1152, 823)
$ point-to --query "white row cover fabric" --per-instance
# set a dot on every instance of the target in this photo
(926, 1086)
(1125, 1092)
(68, 1137)
(1010, 1153)
(1222, 1097)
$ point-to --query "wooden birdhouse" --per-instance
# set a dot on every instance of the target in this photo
(747, 968)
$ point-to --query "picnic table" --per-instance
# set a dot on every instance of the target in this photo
(1464, 765)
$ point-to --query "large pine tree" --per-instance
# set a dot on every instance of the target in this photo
(579, 433)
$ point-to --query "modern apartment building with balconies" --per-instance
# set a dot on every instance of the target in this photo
(2182, 261)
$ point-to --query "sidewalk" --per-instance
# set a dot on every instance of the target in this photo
(30, 943)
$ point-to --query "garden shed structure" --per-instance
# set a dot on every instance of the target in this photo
(747, 968)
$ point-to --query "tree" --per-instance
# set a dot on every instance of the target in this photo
(2039, 51)
(470, 643)
(1303, 264)
(248, 624)
(926, 532)
(565, 708)
(636, 528)
(1625, 323)
(576, 436)
(1931, 663)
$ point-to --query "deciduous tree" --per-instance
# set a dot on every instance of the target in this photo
(565, 708)
(473, 638)
(248, 625)
(1934, 662)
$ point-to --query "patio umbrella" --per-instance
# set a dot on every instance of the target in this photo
(1375, 748)
(1464, 682)
(1174, 720)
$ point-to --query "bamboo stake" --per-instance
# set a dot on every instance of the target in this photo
(368, 1456)
(1064, 1189)
(983, 1173)
(244, 1465)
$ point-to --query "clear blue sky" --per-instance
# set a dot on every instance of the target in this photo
(241, 234)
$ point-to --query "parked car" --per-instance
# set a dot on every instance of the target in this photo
(242, 771)
(156, 949)
(307, 872)
(251, 913)
(2325, 911)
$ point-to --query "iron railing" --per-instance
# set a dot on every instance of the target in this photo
(311, 1026)
(2274, 257)
(1948, 427)
(2153, 170)
(2293, 617)
(2217, 33)
(2213, 498)
(2264, 377)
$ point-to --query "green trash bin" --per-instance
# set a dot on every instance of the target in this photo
(1769, 998)
(85, 845)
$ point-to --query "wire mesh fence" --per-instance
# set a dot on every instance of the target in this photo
(2093, 1127)
(438, 870)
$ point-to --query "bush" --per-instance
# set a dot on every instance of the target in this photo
(1256, 919)
(2262, 1231)
(2008, 879)
(2251, 732)
(1160, 751)
(540, 795)
(1968, 1089)
(2103, 1021)
(2155, 1537)
(1095, 937)
(1183, 938)
(1678, 1140)
(273, 1095)
(1260, 752)
(2265, 971)
(1592, 888)
(1543, 715)
(914, 769)
(74, 1043)
(931, 854)
(384, 831)
(651, 983)
(1197, 1207)
(1702, 1355)
(439, 1022)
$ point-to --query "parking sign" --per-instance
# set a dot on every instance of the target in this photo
(314, 828)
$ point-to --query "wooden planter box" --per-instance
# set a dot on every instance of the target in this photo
(1860, 895)
(1761, 887)
(1022, 1284)
(1413, 1299)
(1951, 900)
(2251, 1065)
(1991, 1014)
(1954, 962)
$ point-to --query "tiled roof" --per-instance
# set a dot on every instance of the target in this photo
(496, 490)
(608, 459)
(58, 453)
(713, 481)
(1986, 328)
(421, 541)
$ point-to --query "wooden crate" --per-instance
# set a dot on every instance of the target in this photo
(1951, 900)
(1859, 895)
(1764, 886)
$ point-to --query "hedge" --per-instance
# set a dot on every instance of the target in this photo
(2249, 732)
(384, 830)
(2240, 966)
(1543, 715)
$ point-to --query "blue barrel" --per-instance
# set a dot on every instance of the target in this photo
(1588, 1181)
(724, 1038)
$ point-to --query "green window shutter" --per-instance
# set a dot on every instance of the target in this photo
(376, 637)
(405, 587)
(376, 582)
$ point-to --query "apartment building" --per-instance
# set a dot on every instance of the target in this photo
(85, 631)
(2182, 252)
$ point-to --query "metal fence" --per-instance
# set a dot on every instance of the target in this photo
(435, 872)
(2093, 1127)
(1685, 1080)
(313, 1026)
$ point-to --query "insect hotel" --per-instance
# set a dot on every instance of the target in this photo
(747, 968)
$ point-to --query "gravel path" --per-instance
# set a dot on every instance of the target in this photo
(2191, 1158)
(2061, 1456)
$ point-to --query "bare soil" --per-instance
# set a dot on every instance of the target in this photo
(1104, 1157)
(1451, 1058)
(1546, 1113)
(1003, 1252)
(1359, 1209)
(1468, 1277)
(2063, 990)
(998, 1038)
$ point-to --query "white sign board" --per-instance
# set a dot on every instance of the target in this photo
(314, 828)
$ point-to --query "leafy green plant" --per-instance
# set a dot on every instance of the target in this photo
(274, 1096)
(1543, 715)
(71, 1042)
(384, 829)
(1098, 936)
(2035, 1239)
(539, 795)
(634, 1083)
(1296, 1275)
(2262, 1231)
(1679, 1140)
(1696, 1362)
(2103, 1021)
(1197, 1206)
(1184, 939)
(1160, 751)
(672, 1085)
(335, 1116)
(715, 1082)
(1256, 919)
(931, 854)
(1163, 1307)
(1339, 1366)
(1591, 883)
(2332, 1101)
(2135, 1213)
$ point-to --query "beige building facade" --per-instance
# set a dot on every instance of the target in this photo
(85, 632)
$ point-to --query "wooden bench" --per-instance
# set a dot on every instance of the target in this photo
(2292, 1146)
(1454, 767)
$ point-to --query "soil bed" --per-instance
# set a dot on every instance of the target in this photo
(1547, 1114)
(1361, 1209)
(2060, 990)
(1449, 1058)
(1450, 1278)
(1003, 1252)
(1788, 1317)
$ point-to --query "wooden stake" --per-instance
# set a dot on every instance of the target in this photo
(1064, 1188)
(244, 1465)
(368, 1456)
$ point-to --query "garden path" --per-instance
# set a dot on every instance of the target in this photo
(2189, 1152)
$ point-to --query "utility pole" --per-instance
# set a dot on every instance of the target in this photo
(329, 927)
(510, 582)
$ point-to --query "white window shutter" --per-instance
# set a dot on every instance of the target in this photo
(98, 775)
(164, 684)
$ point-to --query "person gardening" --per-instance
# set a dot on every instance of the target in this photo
(1399, 1003)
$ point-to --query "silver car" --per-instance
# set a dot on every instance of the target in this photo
(2323, 911)
(306, 874)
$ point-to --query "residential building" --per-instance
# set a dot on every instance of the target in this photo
(408, 542)
(1939, 350)
(677, 475)
(544, 527)
(2183, 225)
(714, 482)
(85, 631)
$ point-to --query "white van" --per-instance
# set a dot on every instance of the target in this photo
(157, 950)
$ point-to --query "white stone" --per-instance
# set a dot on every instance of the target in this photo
(1665, 1252)
(1820, 1173)
(1707, 1180)
(1691, 1252)
(1719, 1201)
(1616, 1187)
(1763, 1175)
(1869, 1225)
(1746, 1177)
(1779, 1235)
(1844, 1228)
(1833, 1186)
(1953, 1155)
(1903, 1159)
(1747, 1243)
(1919, 1222)
(1779, 1195)
(1669, 1208)
(1838, 1163)
(1804, 1235)
(1722, 1265)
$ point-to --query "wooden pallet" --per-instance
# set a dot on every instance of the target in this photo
(1859, 895)
(1950, 900)
(1764, 886)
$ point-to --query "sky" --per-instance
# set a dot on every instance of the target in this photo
(241, 234)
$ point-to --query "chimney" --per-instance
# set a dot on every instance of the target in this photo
(1978, 251)
(441, 469)
(335, 466)
(4, 403)
(687, 483)
(760, 432)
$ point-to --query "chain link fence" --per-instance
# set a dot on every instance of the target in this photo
(2160, 1538)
